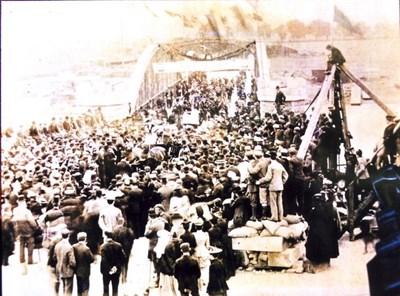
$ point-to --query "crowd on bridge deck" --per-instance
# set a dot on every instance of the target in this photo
(137, 176)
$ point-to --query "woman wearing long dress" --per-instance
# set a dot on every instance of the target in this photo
(201, 252)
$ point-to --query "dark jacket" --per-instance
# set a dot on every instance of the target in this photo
(217, 283)
(322, 242)
(112, 255)
(337, 57)
(187, 272)
(188, 237)
(168, 259)
(83, 259)
(280, 98)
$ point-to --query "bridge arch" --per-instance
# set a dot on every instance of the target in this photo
(160, 66)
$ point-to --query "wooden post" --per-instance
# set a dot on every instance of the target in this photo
(350, 211)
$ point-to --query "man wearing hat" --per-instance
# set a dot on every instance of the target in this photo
(110, 216)
(187, 272)
(389, 139)
(276, 177)
(113, 258)
(280, 99)
(7, 233)
(187, 236)
(26, 226)
(135, 207)
(296, 190)
(165, 192)
(65, 258)
(258, 191)
(83, 258)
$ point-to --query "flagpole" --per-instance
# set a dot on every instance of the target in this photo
(332, 20)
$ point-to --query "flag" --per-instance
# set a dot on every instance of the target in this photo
(173, 14)
(187, 22)
(149, 9)
(257, 17)
(212, 22)
(341, 19)
(239, 16)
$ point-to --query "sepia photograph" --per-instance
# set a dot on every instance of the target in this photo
(222, 148)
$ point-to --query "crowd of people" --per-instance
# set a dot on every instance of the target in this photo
(86, 186)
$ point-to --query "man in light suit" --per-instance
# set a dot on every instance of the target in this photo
(110, 216)
(276, 177)
(83, 258)
(258, 193)
(64, 255)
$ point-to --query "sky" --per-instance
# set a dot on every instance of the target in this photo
(42, 37)
(33, 31)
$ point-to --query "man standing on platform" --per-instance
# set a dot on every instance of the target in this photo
(276, 177)
(335, 57)
(258, 191)
(280, 100)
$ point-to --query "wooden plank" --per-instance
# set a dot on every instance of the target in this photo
(367, 90)
(259, 243)
(320, 100)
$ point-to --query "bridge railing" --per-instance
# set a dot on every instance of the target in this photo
(147, 84)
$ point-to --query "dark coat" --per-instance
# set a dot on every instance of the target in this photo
(188, 237)
(112, 254)
(215, 234)
(8, 236)
(83, 259)
(93, 230)
(187, 272)
(322, 242)
(280, 98)
(125, 237)
(337, 57)
(217, 283)
(168, 259)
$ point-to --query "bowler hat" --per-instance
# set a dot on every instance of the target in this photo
(81, 236)
(185, 247)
